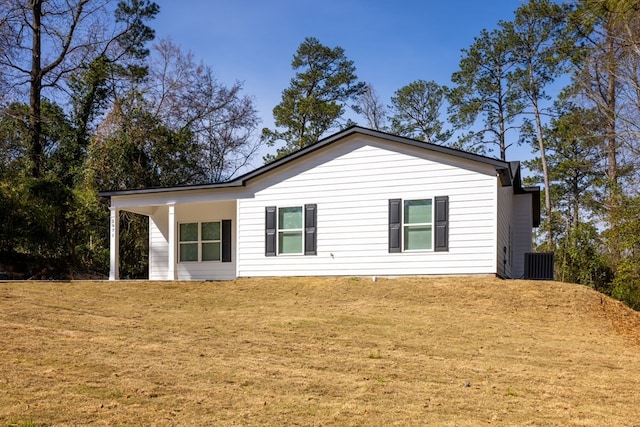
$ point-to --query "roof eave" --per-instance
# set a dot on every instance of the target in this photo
(155, 190)
(498, 164)
(242, 180)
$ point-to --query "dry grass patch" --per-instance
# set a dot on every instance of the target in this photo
(311, 352)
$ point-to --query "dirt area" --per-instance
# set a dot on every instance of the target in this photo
(317, 352)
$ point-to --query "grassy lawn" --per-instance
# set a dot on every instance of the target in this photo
(312, 352)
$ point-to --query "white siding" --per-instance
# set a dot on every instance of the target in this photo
(522, 231)
(158, 244)
(515, 217)
(351, 183)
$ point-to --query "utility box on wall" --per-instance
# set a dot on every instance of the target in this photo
(538, 266)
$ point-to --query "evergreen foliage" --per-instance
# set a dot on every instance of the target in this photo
(316, 98)
(417, 112)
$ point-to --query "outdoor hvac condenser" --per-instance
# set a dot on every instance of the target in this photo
(538, 266)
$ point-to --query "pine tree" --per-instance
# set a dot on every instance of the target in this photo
(314, 102)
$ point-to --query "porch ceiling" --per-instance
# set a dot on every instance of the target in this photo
(141, 210)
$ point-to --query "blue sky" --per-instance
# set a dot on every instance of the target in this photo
(392, 43)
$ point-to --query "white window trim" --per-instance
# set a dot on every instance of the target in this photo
(199, 242)
(420, 224)
(278, 230)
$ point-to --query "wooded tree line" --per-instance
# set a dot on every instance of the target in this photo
(563, 78)
(90, 101)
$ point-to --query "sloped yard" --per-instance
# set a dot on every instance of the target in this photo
(311, 352)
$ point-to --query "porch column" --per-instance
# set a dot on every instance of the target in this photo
(171, 270)
(114, 246)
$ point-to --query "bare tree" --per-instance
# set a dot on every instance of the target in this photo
(628, 20)
(187, 97)
(369, 105)
(608, 77)
(537, 39)
(52, 39)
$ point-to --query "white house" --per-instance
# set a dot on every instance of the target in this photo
(358, 203)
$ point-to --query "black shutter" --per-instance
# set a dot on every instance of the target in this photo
(226, 240)
(310, 219)
(270, 231)
(442, 224)
(395, 225)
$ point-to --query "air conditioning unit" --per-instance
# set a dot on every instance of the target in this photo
(538, 266)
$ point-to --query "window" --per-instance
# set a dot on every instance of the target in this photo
(189, 242)
(290, 230)
(205, 241)
(420, 224)
(211, 241)
(417, 225)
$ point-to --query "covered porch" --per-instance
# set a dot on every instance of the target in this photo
(187, 241)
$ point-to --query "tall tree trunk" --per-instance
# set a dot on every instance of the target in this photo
(35, 120)
(612, 198)
(503, 143)
(545, 176)
(501, 113)
(576, 201)
(543, 158)
(610, 105)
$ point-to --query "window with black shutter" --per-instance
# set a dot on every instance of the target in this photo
(204, 241)
(419, 224)
(291, 230)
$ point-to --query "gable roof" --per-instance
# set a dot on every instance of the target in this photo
(509, 172)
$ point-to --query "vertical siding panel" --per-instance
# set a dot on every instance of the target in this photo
(310, 229)
(270, 220)
(395, 225)
(441, 223)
